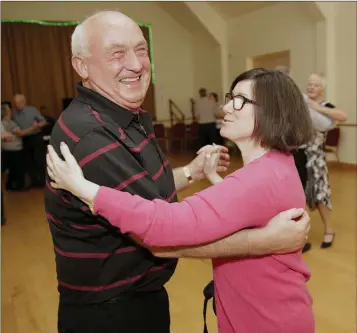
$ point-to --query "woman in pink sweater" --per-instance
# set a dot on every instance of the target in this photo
(267, 118)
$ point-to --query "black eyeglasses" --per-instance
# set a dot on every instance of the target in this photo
(238, 101)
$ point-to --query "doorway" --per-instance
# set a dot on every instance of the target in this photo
(270, 60)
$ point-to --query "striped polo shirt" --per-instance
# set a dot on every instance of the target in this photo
(115, 147)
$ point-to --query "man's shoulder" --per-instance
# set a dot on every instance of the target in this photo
(30, 108)
(75, 122)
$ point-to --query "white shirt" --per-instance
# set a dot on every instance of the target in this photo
(321, 122)
(205, 111)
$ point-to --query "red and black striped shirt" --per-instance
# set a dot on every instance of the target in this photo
(116, 148)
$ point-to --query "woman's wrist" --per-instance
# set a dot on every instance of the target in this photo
(87, 191)
(214, 178)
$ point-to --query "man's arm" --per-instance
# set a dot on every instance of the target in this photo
(41, 121)
(282, 234)
(181, 181)
(20, 132)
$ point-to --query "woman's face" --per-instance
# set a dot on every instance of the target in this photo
(5, 112)
(315, 89)
(238, 125)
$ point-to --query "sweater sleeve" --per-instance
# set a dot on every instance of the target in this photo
(235, 203)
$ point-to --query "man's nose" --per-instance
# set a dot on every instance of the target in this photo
(132, 62)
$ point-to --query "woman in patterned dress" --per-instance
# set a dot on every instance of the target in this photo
(318, 192)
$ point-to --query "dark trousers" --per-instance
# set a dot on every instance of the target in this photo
(15, 164)
(219, 138)
(207, 134)
(300, 163)
(35, 158)
(141, 312)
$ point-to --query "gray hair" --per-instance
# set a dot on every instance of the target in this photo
(321, 77)
(80, 36)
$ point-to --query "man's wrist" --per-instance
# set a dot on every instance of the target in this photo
(259, 242)
(187, 170)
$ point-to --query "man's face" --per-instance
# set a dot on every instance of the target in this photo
(19, 102)
(119, 65)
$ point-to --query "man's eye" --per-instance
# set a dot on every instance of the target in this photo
(119, 53)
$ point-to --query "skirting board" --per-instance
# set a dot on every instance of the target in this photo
(341, 165)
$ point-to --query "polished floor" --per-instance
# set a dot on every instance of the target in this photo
(29, 295)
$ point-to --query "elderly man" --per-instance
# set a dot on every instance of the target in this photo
(25, 116)
(107, 282)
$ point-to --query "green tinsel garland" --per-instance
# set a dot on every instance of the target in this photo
(73, 23)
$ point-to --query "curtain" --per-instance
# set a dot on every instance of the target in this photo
(36, 61)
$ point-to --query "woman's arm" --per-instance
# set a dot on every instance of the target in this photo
(328, 110)
(209, 215)
(335, 114)
(204, 217)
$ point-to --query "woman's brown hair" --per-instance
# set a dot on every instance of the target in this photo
(282, 118)
(5, 110)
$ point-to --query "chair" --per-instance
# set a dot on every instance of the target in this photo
(178, 133)
(332, 142)
(160, 135)
(192, 134)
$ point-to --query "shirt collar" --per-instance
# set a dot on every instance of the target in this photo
(103, 105)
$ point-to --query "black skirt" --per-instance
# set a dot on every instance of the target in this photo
(300, 162)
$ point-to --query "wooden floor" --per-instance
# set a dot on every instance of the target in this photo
(29, 295)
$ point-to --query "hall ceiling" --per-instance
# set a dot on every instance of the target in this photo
(227, 10)
(231, 9)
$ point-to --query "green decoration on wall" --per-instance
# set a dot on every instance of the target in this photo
(74, 23)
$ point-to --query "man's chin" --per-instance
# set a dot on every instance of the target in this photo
(133, 103)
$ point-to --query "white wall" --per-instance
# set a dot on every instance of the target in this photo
(172, 47)
(207, 63)
(281, 27)
(346, 58)
(345, 30)
(321, 47)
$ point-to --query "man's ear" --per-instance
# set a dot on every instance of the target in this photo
(80, 66)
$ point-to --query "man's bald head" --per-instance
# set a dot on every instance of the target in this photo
(111, 56)
(94, 25)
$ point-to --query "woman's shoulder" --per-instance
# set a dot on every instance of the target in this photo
(328, 105)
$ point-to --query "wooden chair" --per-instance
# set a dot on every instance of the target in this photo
(178, 134)
(192, 134)
(332, 142)
(161, 137)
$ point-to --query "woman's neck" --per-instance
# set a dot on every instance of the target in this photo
(319, 99)
(251, 151)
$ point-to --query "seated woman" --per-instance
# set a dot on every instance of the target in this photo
(266, 116)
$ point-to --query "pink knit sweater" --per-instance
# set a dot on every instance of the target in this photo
(253, 295)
